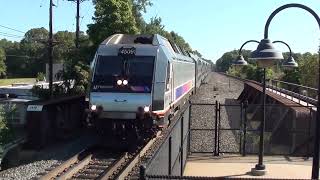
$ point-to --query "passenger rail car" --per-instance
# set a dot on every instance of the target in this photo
(138, 80)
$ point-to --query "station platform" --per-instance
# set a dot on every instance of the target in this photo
(237, 166)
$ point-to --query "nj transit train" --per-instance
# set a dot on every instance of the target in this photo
(139, 81)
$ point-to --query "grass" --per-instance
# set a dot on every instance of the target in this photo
(6, 82)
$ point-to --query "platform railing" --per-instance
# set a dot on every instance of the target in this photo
(287, 89)
(239, 123)
(291, 90)
(286, 134)
(170, 156)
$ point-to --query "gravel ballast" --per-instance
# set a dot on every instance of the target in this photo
(41, 161)
(225, 90)
(27, 171)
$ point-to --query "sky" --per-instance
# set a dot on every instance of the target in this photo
(210, 26)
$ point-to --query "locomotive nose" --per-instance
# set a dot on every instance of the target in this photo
(122, 105)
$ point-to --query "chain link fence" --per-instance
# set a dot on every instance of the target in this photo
(235, 128)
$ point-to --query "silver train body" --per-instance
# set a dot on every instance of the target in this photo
(135, 72)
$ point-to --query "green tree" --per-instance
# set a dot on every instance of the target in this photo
(36, 35)
(75, 74)
(13, 60)
(139, 6)
(179, 40)
(5, 44)
(308, 69)
(28, 58)
(65, 44)
(111, 17)
(258, 76)
(87, 49)
(197, 53)
(224, 63)
(32, 55)
(251, 71)
(154, 27)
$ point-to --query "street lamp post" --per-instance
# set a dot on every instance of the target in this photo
(270, 55)
(241, 62)
(260, 55)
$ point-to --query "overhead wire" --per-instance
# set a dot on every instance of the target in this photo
(19, 36)
(8, 34)
(12, 29)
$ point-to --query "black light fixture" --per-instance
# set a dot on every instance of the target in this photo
(266, 54)
(290, 63)
(240, 61)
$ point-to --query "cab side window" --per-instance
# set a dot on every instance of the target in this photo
(168, 79)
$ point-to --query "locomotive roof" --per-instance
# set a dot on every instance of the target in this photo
(154, 39)
(129, 39)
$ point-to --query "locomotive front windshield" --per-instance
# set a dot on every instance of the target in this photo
(111, 72)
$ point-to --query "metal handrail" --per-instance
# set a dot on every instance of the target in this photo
(299, 96)
(297, 85)
(308, 99)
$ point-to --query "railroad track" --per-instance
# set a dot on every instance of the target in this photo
(89, 164)
(95, 163)
(100, 166)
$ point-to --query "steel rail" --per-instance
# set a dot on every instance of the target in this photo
(59, 169)
(75, 164)
(136, 158)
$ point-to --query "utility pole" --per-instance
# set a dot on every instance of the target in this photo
(77, 21)
(50, 51)
(78, 24)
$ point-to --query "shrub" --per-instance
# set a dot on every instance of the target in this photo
(41, 76)
(6, 131)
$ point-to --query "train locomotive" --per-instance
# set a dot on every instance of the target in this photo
(139, 82)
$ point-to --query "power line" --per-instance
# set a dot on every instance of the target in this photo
(12, 29)
(8, 34)
(5, 36)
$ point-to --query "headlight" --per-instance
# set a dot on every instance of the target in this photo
(125, 82)
(119, 82)
(146, 109)
(93, 107)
